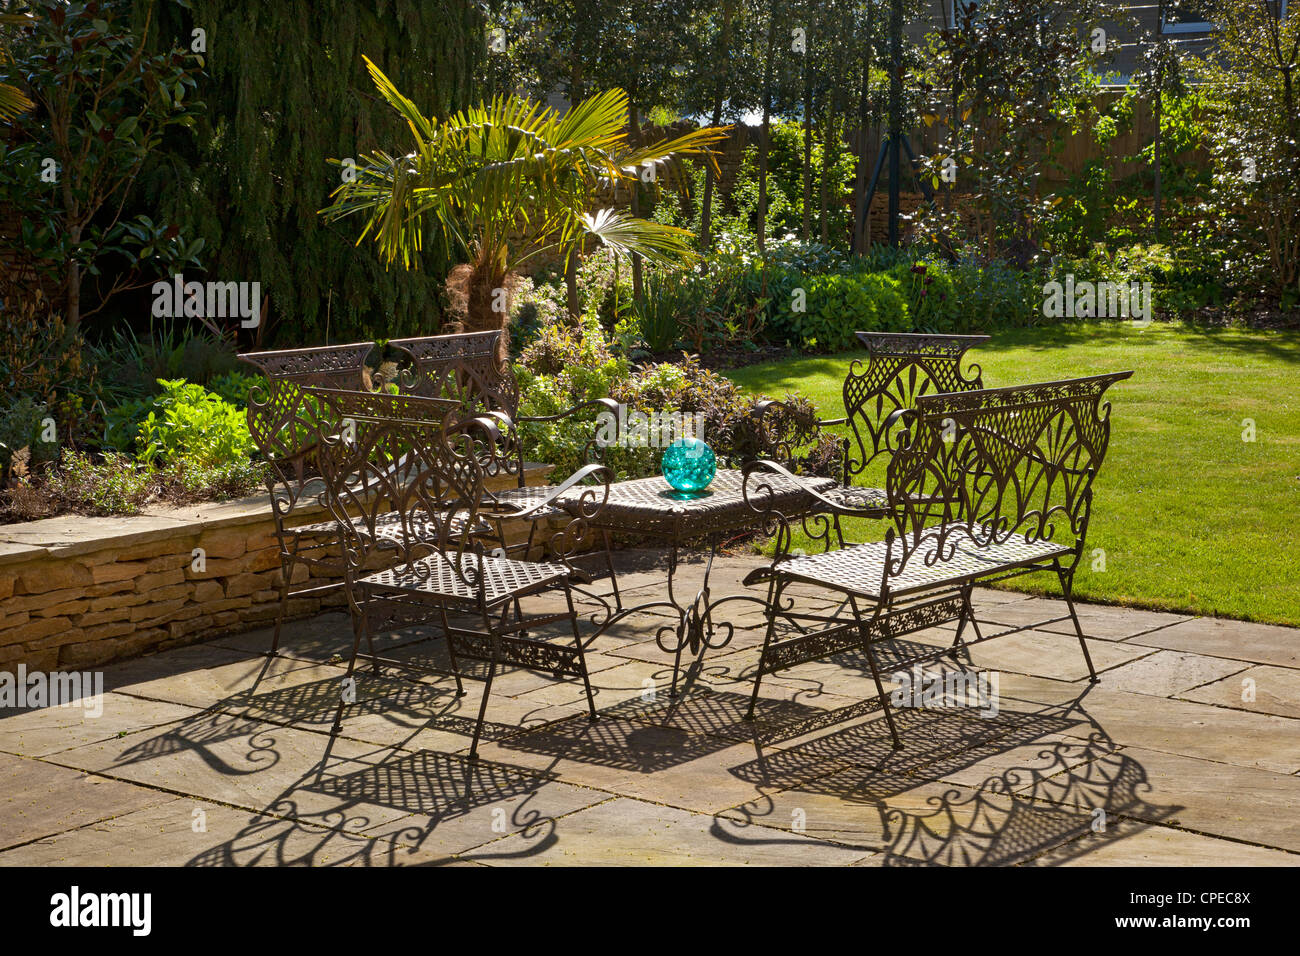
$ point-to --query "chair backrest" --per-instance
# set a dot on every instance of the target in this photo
(900, 368)
(998, 464)
(392, 459)
(469, 368)
(465, 367)
(283, 420)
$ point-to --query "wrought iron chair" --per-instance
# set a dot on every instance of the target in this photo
(1010, 472)
(382, 455)
(469, 369)
(283, 424)
(900, 368)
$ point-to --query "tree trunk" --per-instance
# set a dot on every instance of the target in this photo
(634, 119)
(859, 245)
(761, 231)
(1158, 110)
(830, 146)
(706, 210)
(807, 151)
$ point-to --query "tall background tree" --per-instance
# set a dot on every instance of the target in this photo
(286, 89)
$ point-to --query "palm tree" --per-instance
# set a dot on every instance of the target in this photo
(504, 182)
(12, 100)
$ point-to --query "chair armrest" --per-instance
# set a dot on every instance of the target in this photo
(589, 494)
(606, 403)
(771, 467)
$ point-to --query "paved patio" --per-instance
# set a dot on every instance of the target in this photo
(211, 755)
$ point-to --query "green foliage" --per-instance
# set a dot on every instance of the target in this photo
(41, 358)
(840, 304)
(20, 427)
(130, 365)
(1016, 74)
(570, 365)
(113, 486)
(1250, 79)
(193, 426)
(287, 88)
(104, 104)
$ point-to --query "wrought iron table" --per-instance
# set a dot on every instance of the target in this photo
(650, 506)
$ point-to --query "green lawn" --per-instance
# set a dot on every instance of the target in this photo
(1191, 517)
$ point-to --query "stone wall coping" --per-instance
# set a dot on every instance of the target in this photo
(70, 535)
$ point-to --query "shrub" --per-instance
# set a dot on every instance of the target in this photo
(130, 366)
(192, 428)
(537, 305)
(21, 426)
(40, 358)
(840, 304)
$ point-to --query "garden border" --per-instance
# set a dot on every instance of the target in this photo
(79, 592)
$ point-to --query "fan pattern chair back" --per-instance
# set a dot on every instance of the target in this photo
(900, 368)
(996, 467)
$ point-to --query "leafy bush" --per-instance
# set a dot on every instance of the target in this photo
(838, 305)
(21, 426)
(1255, 140)
(537, 305)
(193, 426)
(571, 365)
(40, 357)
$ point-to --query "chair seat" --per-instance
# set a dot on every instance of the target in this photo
(435, 576)
(389, 528)
(861, 499)
(860, 569)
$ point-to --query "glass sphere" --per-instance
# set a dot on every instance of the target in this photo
(689, 464)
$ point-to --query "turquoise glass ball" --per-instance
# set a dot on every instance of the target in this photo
(689, 464)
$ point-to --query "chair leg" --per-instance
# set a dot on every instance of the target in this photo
(609, 564)
(875, 674)
(582, 659)
(773, 596)
(360, 625)
(1067, 587)
(286, 572)
(451, 650)
(967, 616)
(482, 708)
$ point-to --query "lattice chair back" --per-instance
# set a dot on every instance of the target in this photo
(900, 368)
(284, 420)
(469, 369)
(1000, 465)
(389, 459)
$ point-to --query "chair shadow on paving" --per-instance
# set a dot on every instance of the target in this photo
(427, 789)
(1039, 786)
(1061, 798)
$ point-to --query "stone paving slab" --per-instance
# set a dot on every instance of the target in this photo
(1237, 640)
(1099, 621)
(1186, 771)
(1240, 803)
(1165, 846)
(1197, 730)
(1170, 673)
(1051, 655)
(1260, 689)
(40, 800)
(632, 833)
(43, 733)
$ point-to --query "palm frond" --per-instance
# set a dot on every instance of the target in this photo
(12, 102)
(654, 241)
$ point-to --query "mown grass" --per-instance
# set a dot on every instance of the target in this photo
(1191, 516)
